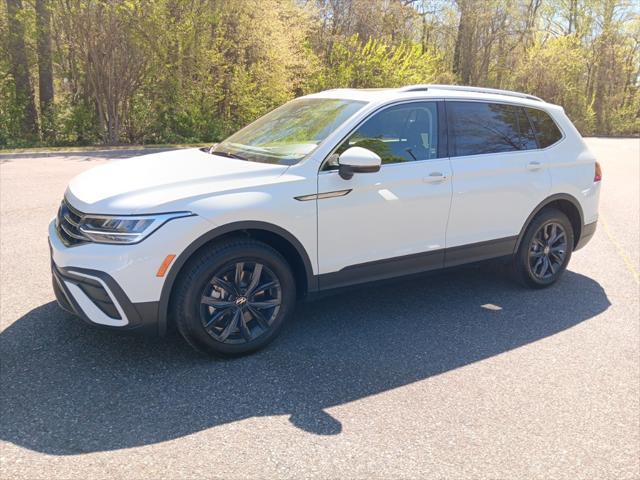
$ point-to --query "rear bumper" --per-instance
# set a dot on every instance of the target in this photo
(587, 233)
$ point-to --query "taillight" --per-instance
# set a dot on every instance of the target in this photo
(598, 173)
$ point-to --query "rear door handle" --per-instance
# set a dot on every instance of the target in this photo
(534, 166)
(435, 177)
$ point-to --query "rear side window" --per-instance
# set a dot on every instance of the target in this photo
(480, 128)
(527, 135)
(546, 129)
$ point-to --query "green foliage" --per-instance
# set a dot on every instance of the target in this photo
(196, 70)
(10, 117)
(626, 119)
(218, 67)
(374, 63)
(557, 71)
(76, 124)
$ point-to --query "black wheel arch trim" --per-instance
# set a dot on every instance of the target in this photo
(546, 202)
(181, 260)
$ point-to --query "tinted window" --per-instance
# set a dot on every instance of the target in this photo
(527, 135)
(480, 128)
(403, 133)
(546, 129)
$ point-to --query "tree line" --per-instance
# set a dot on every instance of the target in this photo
(75, 72)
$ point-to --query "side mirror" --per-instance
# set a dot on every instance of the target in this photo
(357, 160)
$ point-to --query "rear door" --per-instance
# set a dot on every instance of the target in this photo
(499, 177)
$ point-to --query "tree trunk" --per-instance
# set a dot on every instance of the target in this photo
(602, 71)
(463, 56)
(45, 66)
(20, 70)
(573, 16)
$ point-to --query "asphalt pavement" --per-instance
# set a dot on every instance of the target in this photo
(461, 374)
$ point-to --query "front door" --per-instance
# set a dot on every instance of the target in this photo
(378, 225)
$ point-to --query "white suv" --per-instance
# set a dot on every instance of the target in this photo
(332, 189)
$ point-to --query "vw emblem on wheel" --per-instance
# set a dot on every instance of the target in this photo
(240, 301)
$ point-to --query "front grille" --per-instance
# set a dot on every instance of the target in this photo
(68, 223)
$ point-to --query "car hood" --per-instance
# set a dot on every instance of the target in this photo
(162, 182)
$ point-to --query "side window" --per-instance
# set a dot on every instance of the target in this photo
(547, 131)
(479, 128)
(527, 135)
(403, 133)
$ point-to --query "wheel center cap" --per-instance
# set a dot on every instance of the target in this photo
(240, 301)
(546, 250)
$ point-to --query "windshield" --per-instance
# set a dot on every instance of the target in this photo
(290, 132)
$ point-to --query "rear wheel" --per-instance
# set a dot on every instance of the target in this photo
(545, 250)
(234, 298)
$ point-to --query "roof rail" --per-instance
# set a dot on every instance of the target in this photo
(461, 88)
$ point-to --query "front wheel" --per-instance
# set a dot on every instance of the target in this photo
(545, 250)
(234, 298)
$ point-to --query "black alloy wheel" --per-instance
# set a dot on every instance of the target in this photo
(233, 297)
(545, 249)
(240, 302)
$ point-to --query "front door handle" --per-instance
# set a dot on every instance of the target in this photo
(534, 166)
(435, 177)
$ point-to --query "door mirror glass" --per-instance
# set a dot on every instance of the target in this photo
(357, 160)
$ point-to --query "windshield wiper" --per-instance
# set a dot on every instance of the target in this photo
(227, 154)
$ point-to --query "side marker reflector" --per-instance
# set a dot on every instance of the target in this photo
(164, 266)
(597, 177)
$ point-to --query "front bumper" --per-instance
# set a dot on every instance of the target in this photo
(97, 299)
(116, 286)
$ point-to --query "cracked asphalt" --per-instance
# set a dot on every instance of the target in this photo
(414, 379)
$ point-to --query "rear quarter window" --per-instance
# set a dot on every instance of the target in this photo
(547, 132)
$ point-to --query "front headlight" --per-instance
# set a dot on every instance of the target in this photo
(124, 229)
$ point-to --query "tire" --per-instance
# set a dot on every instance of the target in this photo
(221, 308)
(538, 246)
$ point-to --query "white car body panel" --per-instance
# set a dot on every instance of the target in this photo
(481, 183)
(133, 267)
(275, 205)
(163, 182)
(394, 212)
(572, 167)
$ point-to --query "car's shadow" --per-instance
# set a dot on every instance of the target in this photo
(68, 388)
